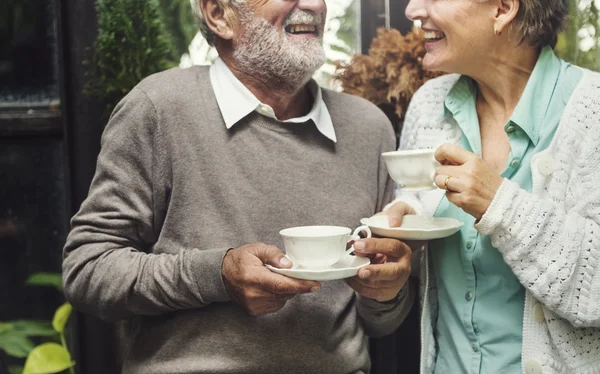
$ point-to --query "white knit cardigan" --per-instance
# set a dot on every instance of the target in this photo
(549, 237)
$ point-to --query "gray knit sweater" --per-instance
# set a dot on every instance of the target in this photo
(174, 189)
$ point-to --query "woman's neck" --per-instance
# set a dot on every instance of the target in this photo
(502, 82)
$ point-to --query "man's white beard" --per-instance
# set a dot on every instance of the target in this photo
(264, 52)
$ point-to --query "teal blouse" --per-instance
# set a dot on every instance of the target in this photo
(480, 319)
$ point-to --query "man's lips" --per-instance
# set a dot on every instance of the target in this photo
(302, 29)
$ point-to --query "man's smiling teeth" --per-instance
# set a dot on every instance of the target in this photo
(301, 29)
(433, 35)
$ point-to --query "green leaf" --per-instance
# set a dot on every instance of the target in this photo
(61, 316)
(33, 328)
(15, 344)
(46, 279)
(5, 326)
(48, 358)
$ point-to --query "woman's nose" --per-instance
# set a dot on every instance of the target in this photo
(415, 10)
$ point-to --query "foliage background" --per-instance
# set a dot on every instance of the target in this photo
(580, 42)
(139, 37)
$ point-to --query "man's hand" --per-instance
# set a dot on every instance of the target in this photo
(254, 287)
(388, 271)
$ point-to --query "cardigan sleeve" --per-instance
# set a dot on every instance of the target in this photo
(408, 134)
(551, 237)
(109, 269)
(553, 250)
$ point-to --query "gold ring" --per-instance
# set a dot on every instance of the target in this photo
(446, 182)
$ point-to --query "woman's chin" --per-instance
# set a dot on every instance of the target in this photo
(435, 63)
(431, 63)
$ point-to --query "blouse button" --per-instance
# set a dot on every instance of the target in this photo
(533, 366)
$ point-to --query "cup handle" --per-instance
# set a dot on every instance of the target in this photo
(355, 236)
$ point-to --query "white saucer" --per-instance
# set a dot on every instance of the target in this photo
(414, 227)
(346, 267)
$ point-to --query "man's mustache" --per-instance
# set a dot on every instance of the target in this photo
(298, 17)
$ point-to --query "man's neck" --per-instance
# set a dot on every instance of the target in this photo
(287, 101)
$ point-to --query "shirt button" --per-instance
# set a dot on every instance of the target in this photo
(469, 244)
(546, 165)
(510, 128)
(468, 296)
(475, 347)
(514, 163)
(538, 313)
(263, 110)
(533, 366)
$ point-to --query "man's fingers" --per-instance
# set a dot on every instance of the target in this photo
(265, 307)
(379, 294)
(281, 285)
(370, 283)
(389, 271)
(269, 254)
(389, 247)
(452, 154)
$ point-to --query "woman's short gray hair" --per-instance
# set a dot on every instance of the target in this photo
(208, 34)
(538, 22)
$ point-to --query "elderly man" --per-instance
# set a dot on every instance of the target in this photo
(201, 166)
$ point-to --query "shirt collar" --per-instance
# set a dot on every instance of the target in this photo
(533, 105)
(236, 101)
(461, 92)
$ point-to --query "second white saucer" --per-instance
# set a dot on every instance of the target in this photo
(346, 267)
(414, 227)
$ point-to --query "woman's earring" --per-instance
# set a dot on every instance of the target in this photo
(496, 30)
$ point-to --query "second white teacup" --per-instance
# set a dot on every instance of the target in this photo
(413, 169)
(318, 247)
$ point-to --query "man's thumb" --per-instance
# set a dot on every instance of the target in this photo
(269, 254)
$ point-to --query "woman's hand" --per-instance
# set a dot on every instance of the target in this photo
(470, 183)
(396, 212)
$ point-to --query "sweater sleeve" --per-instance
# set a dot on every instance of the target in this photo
(109, 268)
(407, 141)
(553, 250)
(380, 319)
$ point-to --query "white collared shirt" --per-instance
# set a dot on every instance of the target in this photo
(236, 101)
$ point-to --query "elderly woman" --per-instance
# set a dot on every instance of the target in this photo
(517, 131)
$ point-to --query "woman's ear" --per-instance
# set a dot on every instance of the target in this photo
(506, 12)
(217, 18)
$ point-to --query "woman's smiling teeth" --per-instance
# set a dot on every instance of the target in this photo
(301, 29)
(433, 35)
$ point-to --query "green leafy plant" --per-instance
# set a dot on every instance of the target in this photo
(132, 43)
(180, 25)
(580, 42)
(52, 355)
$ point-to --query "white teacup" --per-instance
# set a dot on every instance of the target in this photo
(413, 169)
(318, 247)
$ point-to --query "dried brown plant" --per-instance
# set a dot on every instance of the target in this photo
(390, 74)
